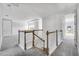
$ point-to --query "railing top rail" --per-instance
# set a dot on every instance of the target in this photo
(38, 30)
(29, 31)
(59, 30)
(51, 32)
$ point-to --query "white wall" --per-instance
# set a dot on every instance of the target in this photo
(52, 23)
(0, 32)
(16, 25)
(10, 41)
(0, 25)
(78, 27)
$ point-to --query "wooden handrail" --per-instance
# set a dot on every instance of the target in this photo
(30, 30)
(38, 30)
(51, 32)
(27, 31)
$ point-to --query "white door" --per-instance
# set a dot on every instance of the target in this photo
(7, 27)
(6, 33)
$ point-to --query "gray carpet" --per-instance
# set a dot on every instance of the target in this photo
(14, 51)
(67, 48)
(17, 51)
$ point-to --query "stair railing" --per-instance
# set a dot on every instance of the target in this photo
(35, 35)
(47, 33)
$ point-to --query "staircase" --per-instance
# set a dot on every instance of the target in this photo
(35, 50)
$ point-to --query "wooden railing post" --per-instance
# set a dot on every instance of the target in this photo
(25, 40)
(47, 44)
(61, 34)
(56, 37)
(43, 45)
(18, 37)
(33, 40)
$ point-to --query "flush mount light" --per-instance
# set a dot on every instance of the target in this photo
(13, 4)
(6, 15)
(9, 5)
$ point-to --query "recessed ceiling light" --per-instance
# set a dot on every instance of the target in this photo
(6, 15)
(9, 5)
(13, 4)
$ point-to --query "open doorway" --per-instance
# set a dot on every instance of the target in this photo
(69, 27)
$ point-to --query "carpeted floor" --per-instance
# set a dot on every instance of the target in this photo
(17, 51)
(67, 48)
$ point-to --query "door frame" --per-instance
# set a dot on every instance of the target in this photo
(76, 28)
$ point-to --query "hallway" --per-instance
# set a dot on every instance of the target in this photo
(40, 27)
(67, 48)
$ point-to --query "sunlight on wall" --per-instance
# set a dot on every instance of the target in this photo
(69, 18)
(30, 25)
(26, 26)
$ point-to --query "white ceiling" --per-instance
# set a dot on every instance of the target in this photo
(33, 10)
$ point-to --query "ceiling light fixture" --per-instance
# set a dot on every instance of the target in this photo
(13, 4)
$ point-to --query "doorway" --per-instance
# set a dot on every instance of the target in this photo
(69, 27)
(6, 33)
